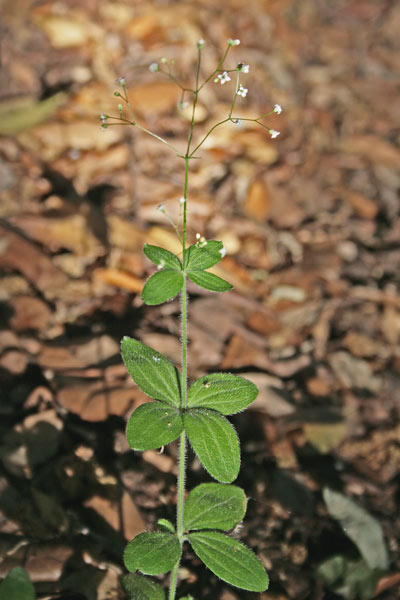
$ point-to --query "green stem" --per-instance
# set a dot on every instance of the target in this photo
(185, 190)
(184, 303)
(209, 133)
(180, 511)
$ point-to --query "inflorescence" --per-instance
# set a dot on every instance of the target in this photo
(221, 75)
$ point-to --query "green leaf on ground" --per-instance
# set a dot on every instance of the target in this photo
(17, 586)
(151, 371)
(153, 425)
(162, 258)
(214, 506)
(360, 527)
(200, 257)
(215, 442)
(162, 286)
(224, 392)
(20, 114)
(152, 553)
(138, 587)
(209, 281)
(348, 578)
(230, 560)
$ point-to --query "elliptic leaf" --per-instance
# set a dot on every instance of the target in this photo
(162, 258)
(151, 371)
(162, 286)
(209, 281)
(152, 553)
(348, 578)
(215, 442)
(17, 586)
(200, 257)
(360, 527)
(138, 587)
(230, 560)
(224, 392)
(214, 506)
(153, 425)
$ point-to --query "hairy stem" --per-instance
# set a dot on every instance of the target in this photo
(180, 509)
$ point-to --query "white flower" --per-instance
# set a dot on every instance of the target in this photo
(182, 200)
(103, 117)
(200, 44)
(233, 42)
(223, 77)
(243, 68)
(121, 81)
(222, 251)
(154, 67)
(277, 109)
(242, 91)
(161, 265)
(236, 121)
(274, 133)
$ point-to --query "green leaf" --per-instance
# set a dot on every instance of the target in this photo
(230, 560)
(166, 525)
(200, 257)
(20, 114)
(209, 281)
(348, 578)
(162, 258)
(224, 392)
(151, 371)
(214, 506)
(138, 587)
(152, 553)
(215, 442)
(17, 586)
(153, 425)
(162, 286)
(360, 527)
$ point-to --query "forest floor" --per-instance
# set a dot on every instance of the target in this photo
(311, 223)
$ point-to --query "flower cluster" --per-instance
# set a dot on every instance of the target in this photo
(201, 241)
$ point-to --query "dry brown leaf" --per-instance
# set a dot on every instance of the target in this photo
(21, 255)
(119, 279)
(96, 402)
(157, 97)
(121, 515)
(29, 312)
(257, 202)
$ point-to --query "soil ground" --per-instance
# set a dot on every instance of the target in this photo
(311, 225)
